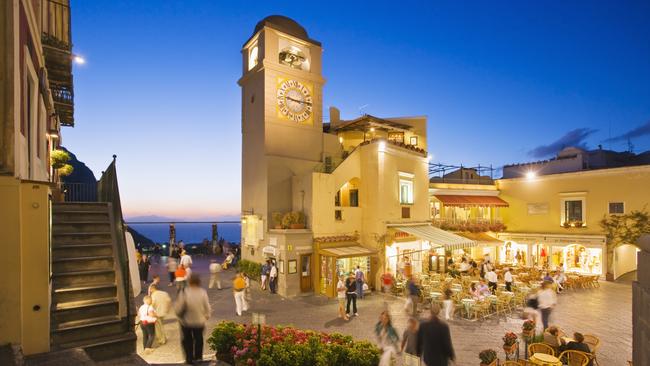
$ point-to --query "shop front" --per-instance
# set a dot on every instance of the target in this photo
(583, 254)
(339, 259)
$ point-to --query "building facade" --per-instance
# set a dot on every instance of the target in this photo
(35, 100)
(360, 185)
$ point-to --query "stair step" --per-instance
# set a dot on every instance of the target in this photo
(83, 233)
(62, 265)
(81, 227)
(77, 293)
(80, 206)
(81, 250)
(102, 348)
(84, 309)
(96, 237)
(80, 216)
(82, 278)
(87, 329)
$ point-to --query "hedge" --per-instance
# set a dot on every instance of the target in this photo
(252, 269)
(286, 346)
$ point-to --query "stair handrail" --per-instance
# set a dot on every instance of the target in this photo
(108, 191)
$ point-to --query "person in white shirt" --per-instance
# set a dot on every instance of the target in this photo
(215, 277)
(193, 311)
(508, 279)
(147, 316)
(340, 295)
(161, 303)
(186, 260)
(492, 279)
(464, 266)
(273, 278)
(546, 300)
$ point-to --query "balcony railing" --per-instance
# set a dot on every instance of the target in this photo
(79, 192)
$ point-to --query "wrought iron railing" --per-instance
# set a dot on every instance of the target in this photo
(79, 192)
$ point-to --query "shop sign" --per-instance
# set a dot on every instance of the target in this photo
(269, 250)
(540, 208)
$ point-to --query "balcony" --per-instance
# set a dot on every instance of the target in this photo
(57, 49)
(470, 225)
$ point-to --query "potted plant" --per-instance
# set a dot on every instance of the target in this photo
(277, 219)
(528, 328)
(488, 357)
(294, 220)
(509, 343)
(578, 223)
(566, 224)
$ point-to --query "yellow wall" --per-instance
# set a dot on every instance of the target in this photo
(25, 290)
(599, 187)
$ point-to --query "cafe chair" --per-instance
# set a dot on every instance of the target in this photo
(574, 358)
(540, 348)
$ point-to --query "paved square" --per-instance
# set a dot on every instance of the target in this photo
(604, 312)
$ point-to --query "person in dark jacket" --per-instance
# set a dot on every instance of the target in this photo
(434, 341)
(578, 345)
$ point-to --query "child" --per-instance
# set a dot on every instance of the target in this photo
(147, 323)
(215, 268)
(448, 305)
(172, 266)
(410, 337)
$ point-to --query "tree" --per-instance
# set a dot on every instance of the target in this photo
(624, 229)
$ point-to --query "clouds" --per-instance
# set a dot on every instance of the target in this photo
(642, 130)
(575, 138)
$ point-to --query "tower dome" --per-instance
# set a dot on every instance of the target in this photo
(285, 25)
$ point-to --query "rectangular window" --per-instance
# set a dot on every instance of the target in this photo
(337, 199)
(616, 208)
(573, 211)
(406, 192)
(354, 198)
(406, 212)
(338, 215)
(414, 140)
(396, 137)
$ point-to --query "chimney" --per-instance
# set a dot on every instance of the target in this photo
(335, 116)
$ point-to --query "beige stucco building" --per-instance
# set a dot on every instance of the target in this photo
(357, 182)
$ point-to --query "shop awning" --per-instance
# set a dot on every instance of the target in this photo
(481, 238)
(347, 251)
(438, 237)
(461, 201)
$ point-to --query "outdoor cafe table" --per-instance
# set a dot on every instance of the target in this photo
(493, 299)
(435, 296)
(508, 293)
(543, 359)
(467, 304)
(535, 285)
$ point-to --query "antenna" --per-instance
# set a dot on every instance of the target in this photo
(363, 107)
(630, 147)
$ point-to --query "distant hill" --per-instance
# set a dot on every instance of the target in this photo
(81, 173)
(139, 238)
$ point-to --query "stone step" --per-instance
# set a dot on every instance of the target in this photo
(81, 227)
(88, 329)
(84, 309)
(73, 356)
(87, 216)
(82, 278)
(82, 263)
(81, 250)
(98, 291)
(79, 206)
(104, 348)
(98, 237)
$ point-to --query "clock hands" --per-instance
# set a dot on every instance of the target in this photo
(297, 100)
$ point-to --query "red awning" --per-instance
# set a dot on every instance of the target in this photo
(461, 201)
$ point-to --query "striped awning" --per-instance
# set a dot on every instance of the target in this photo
(466, 200)
(347, 251)
(438, 237)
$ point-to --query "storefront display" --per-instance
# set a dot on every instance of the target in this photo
(540, 255)
(578, 258)
(514, 253)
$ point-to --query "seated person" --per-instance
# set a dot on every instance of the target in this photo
(578, 345)
(483, 288)
(475, 292)
(552, 338)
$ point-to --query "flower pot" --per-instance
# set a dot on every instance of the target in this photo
(493, 363)
(528, 333)
(297, 226)
(510, 349)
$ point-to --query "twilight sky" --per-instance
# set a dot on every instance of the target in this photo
(501, 82)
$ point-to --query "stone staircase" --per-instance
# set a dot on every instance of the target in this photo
(86, 283)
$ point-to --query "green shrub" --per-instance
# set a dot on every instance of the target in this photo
(252, 269)
(224, 337)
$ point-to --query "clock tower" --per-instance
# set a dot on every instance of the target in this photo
(282, 128)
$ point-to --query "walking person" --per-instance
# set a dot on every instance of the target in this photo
(266, 269)
(143, 267)
(215, 274)
(546, 300)
(387, 338)
(358, 276)
(193, 311)
(410, 337)
(180, 277)
(491, 278)
(507, 277)
(273, 278)
(351, 295)
(448, 305)
(186, 260)
(155, 281)
(387, 280)
(434, 341)
(161, 303)
(147, 316)
(411, 305)
(340, 295)
(172, 266)
(239, 288)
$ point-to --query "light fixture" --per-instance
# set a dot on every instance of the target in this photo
(340, 139)
(530, 174)
(79, 60)
(372, 129)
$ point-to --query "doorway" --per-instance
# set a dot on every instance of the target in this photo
(305, 273)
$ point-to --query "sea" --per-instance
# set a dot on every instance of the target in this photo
(188, 233)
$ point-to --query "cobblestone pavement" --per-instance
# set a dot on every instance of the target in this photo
(604, 312)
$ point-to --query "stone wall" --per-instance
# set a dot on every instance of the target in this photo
(641, 305)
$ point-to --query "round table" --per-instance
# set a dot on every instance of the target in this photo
(508, 293)
(467, 303)
(543, 359)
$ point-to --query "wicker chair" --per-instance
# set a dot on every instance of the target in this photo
(540, 348)
(574, 358)
(592, 341)
(510, 363)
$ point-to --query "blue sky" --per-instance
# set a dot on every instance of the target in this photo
(500, 82)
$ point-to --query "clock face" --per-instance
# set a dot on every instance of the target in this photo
(294, 101)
